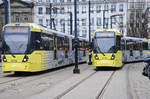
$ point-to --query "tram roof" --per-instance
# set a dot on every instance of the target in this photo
(108, 30)
(38, 28)
(135, 39)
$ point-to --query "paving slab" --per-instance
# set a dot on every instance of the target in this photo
(90, 88)
(64, 86)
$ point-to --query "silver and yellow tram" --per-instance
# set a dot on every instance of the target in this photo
(111, 49)
(106, 48)
(32, 48)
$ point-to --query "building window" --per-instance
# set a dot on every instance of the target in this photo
(47, 22)
(61, 0)
(106, 21)
(83, 0)
(69, 9)
(62, 10)
(121, 7)
(68, 22)
(113, 20)
(92, 9)
(121, 19)
(47, 10)
(113, 8)
(84, 33)
(25, 18)
(39, 0)
(47, 0)
(62, 22)
(98, 21)
(54, 1)
(17, 19)
(92, 21)
(83, 22)
(68, 0)
(40, 21)
(40, 10)
(98, 9)
(83, 9)
(78, 21)
(77, 9)
(106, 7)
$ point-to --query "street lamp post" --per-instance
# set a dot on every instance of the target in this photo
(6, 11)
(50, 13)
(111, 21)
(70, 23)
(103, 19)
(76, 70)
(90, 46)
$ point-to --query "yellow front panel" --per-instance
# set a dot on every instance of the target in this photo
(15, 63)
(106, 61)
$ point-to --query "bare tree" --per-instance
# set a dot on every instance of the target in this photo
(138, 22)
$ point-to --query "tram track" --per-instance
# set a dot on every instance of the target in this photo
(100, 94)
(74, 86)
(25, 80)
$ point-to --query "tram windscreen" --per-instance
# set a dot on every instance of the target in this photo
(104, 42)
(16, 39)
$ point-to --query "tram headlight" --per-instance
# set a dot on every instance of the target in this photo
(96, 57)
(4, 59)
(25, 58)
(112, 57)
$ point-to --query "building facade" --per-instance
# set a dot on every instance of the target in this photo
(104, 14)
(126, 16)
(21, 12)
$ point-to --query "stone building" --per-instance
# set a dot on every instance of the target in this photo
(21, 12)
(101, 15)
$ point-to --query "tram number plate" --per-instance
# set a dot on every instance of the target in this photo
(104, 58)
(13, 60)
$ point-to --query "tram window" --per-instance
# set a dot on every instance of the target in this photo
(145, 45)
(122, 45)
(60, 43)
(66, 43)
(46, 42)
(118, 42)
(148, 46)
(141, 49)
(131, 49)
(66, 46)
(35, 40)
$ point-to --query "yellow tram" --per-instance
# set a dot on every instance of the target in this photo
(106, 50)
(111, 49)
(31, 48)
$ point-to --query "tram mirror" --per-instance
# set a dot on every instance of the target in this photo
(1, 48)
(116, 49)
(37, 41)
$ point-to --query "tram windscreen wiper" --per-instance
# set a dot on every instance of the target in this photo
(99, 48)
(10, 51)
